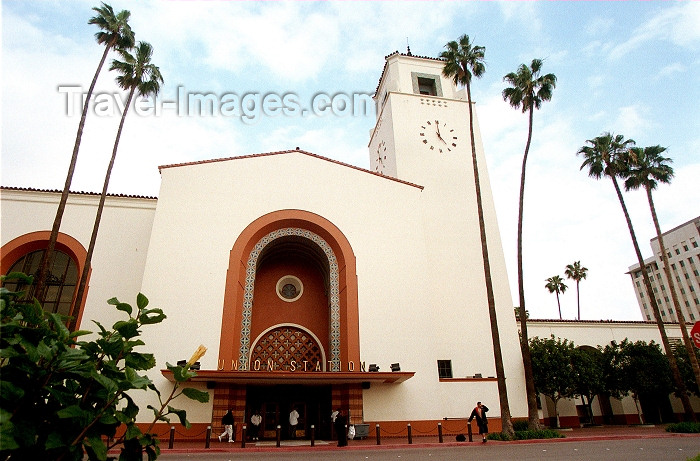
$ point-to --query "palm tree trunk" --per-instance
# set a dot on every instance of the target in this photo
(506, 422)
(680, 385)
(532, 413)
(690, 347)
(559, 305)
(578, 301)
(98, 217)
(47, 258)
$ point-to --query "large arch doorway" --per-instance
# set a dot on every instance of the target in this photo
(320, 237)
(289, 267)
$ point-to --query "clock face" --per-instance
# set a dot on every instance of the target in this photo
(380, 156)
(438, 136)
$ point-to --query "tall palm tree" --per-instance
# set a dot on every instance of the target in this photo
(555, 284)
(137, 74)
(576, 272)
(527, 91)
(115, 33)
(462, 61)
(604, 157)
(646, 167)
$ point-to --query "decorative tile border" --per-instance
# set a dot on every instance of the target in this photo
(244, 351)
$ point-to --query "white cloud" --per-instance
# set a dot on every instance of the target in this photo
(679, 24)
(525, 13)
(598, 26)
(669, 70)
(631, 120)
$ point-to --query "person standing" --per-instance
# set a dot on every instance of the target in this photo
(227, 421)
(340, 428)
(293, 421)
(255, 421)
(479, 412)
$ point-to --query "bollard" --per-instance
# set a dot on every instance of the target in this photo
(440, 432)
(379, 440)
(243, 431)
(410, 436)
(279, 435)
(172, 437)
(313, 435)
(207, 442)
(469, 431)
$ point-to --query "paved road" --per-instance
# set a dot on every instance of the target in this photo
(652, 449)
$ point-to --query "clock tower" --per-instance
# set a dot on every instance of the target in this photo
(422, 137)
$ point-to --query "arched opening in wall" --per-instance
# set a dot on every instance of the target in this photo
(292, 277)
(589, 360)
(24, 253)
(61, 281)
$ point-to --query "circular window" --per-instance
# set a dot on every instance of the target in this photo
(289, 288)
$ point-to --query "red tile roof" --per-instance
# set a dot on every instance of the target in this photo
(395, 53)
(57, 191)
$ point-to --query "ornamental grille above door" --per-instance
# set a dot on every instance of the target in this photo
(287, 348)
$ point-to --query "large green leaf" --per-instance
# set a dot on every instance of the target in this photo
(98, 447)
(128, 329)
(151, 316)
(196, 394)
(182, 414)
(125, 307)
(141, 301)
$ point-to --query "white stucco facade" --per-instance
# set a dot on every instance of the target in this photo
(396, 250)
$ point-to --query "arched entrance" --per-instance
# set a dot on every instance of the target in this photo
(291, 273)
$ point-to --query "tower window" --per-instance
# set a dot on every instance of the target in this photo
(427, 86)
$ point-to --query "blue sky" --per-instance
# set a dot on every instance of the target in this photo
(628, 67)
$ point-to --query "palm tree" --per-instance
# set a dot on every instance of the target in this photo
(528, 90)
(555, 284)
(604, 156)
(576, 272)
(646, 167)
(462, 61)
(137, 73)
(115, 33)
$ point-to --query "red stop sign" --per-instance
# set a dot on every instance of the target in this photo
(695, 333)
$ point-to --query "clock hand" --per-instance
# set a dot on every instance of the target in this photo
(437, 126)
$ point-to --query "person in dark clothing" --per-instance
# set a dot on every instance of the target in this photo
(479, 412)
(227, 421)
(340, 429)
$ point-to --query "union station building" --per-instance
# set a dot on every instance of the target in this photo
(314, 284)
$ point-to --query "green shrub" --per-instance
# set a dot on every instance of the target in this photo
(63, 397)
(543, 434)
(685, 427)
(696, 458)
(527, 435)
(520, 426)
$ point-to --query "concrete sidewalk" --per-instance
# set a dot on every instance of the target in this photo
(574, 434)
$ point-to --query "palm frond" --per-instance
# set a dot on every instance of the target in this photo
(463, 60)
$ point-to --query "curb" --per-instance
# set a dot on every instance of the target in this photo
(332, 447)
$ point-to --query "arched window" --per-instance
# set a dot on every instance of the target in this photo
(61, 280)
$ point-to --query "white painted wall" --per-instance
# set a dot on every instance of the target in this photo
(120, 250)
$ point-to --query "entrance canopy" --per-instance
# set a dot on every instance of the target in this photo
(298, 377)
